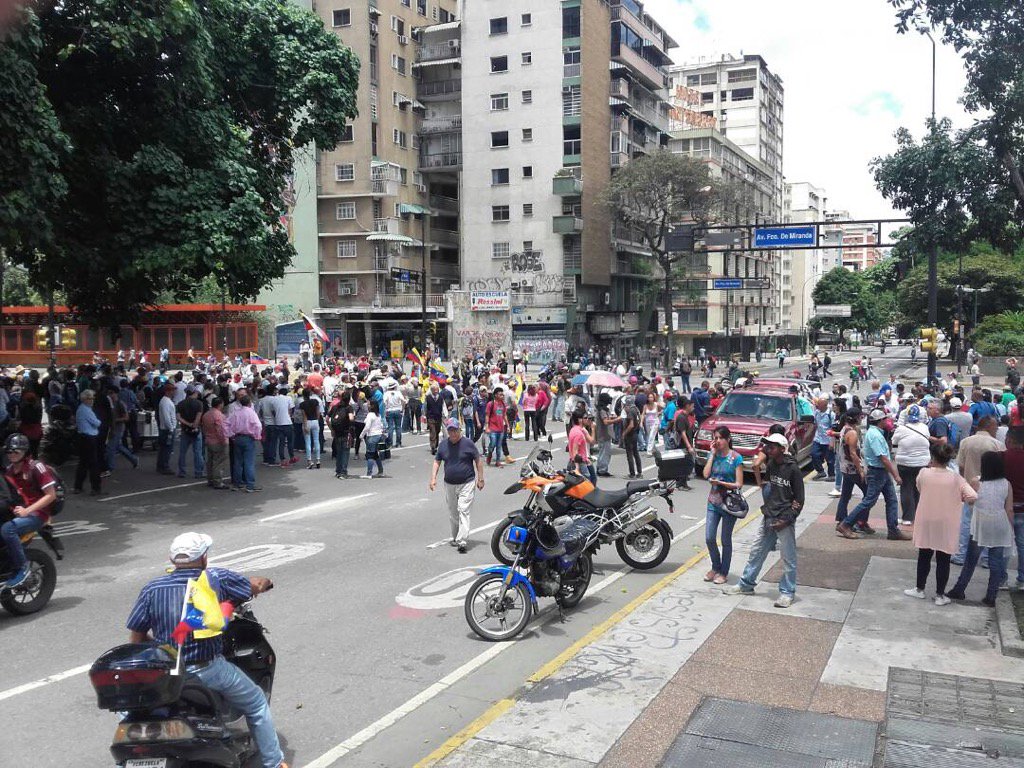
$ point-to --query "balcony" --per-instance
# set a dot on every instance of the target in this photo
(444, 237)
(438, 89)
(572, 259)
(443, 203)
(566, 224)
(650, 74)
(566, 186)
(437, 52)
(391, 225)
(570, 70)
(651, 116)
(538, 300)
(619, 87)
(448, 124)
(441, 161)
(619, 159)
(408, 300)
(384, 188)
(572, 147)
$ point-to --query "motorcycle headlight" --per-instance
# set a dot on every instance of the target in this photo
(704, 434)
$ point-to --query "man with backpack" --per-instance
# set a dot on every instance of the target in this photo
(685, 369)
(37, 485)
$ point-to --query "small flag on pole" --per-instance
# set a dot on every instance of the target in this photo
(257, 359)
(203, 615)
(316, 329)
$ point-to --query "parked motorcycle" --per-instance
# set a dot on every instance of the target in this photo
(35, 592)
(173, 720)
(625, 517)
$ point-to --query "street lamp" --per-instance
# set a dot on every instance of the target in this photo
(933, 254)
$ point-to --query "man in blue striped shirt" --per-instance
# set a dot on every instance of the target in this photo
(157, 612)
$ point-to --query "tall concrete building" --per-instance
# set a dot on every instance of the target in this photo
(805, 203)
(741, 99)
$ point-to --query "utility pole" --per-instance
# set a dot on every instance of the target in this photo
(423, 278)
(933, 251)
(52, 335)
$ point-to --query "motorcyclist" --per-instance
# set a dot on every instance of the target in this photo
(37, 489)
(157, 612)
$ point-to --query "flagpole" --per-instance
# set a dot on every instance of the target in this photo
(181, 646)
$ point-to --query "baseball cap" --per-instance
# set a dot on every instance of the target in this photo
(776, 440)
(452, 424)
(956, 402)
(189, 547)
(877, 415)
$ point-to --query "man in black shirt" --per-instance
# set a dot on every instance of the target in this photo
(434, 409)
(463, 474)
(190, 411)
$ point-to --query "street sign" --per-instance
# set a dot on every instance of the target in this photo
(833, 310)
(727, 284)
(784, 237)
(757, 282)
(405, 275)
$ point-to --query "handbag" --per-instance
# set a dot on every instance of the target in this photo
(734, 503)
(384, 453)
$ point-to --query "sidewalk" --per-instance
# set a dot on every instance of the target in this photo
(650, 690)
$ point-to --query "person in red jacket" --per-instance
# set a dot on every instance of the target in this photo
(37, 488)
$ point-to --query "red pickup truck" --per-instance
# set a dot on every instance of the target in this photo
(748, 412)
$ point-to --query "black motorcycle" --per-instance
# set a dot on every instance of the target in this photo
(173, 720)
(35, 592)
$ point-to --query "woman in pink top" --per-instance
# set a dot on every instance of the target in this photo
(529, 404)
(543, 402)
(937, 523)
(580, 437)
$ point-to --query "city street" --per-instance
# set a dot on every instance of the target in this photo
(376, 665)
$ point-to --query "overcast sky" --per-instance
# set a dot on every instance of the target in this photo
(850, 80)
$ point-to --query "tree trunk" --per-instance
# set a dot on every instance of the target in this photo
(666, 264)
(1010, 161)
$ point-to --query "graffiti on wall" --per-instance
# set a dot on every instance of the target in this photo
(542, 350)
(541, 282)
(473, 332)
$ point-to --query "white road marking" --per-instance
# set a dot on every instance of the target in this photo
(264, 556)
(75, 527)
(446, 590)
(320, 506)
(11, 692)
(153, 490)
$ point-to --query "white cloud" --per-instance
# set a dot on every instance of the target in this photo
(850, 80)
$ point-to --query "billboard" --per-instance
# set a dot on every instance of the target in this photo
(489, 301)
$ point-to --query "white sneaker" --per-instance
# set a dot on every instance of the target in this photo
(366, 477)
(784, 601)
(914, 592)
(942, 600)
(737, 589)
(835, 494)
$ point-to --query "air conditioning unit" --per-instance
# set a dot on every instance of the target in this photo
(566, 89)
(453, 44)
(373, 27)
(347, 290)
(403, 39)
(422, 188)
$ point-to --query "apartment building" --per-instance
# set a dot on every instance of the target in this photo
(379, 237)
(703, 312)
(805, 203)
(741, 99)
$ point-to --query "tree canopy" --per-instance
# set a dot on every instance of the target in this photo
(167, 131)
(842, 286)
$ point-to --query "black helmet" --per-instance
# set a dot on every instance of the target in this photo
(17, 442)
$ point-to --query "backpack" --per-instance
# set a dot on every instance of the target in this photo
(953, 434)
(62, 492)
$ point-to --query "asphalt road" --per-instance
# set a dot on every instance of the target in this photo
(376, 665)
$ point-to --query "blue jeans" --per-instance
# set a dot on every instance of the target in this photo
(685, 382)
(720, 562)
(1018, 535)
(766, 540)
(965, 538)
(494, 444)
(115, 447)
(879, 484)
(195, 442)
(997, 557)
(341, 452)
(12, 531)
(165, 446)
(850, 482)
(243, 468)
(604, 455)
(823, 456)
(589, 471)
(372, 444)
(312, 439)
(395, 428)
(224, 677)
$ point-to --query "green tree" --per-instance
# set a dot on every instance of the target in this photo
(183, 120)
(656, 193)
(841, 286)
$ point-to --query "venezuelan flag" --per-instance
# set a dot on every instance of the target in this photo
(415, 357)
(204, 616)
(257, 360)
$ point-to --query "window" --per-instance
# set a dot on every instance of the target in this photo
(527, 97)
(709, 79)
(693, 79)
(397, 25)
(398, 63)
(346, 249)
(347, 135)
(421, 7)
(499, 26)
(527, 134)
(526, 19)
(394, 98)
(571, 142)
(499, 213)
(527, 210)
(342, 17)
(398, 137)
(499, 139)
(415, 141)
(742, 94)
(499, 176)
(570, 22)
(571, 101)
(407, 3)
(743, 75)
(344, 172)
(527, 171)
(345, 211)
(500, 250)
(403, 176)
(499, 64)
(527, 246)
(499, 101)
(527, 58)
(707, 97)
(348, 286)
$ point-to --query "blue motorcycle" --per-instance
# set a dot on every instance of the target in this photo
(550, 561)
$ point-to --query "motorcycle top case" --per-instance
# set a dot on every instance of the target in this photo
(135, 676)
(671, 464)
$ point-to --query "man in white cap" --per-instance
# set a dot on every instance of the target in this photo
(783, 503)
(463, 474)
(157, 612)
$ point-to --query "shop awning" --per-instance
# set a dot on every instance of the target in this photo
(441, 27)
(435, 62)
(388, 237)
(414, 208)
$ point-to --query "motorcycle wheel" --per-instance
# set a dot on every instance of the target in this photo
(573, 591)
(35, 593)
(646, 547)
(499, 547)
(489, 619)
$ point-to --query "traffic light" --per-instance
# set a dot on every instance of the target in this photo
(43, 338)
(433, 329)
(68, 338)
(929, 340)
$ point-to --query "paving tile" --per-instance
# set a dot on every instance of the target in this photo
(645, 742)
(845, 701)
(479, 752)
(770, 689)
(811, 603)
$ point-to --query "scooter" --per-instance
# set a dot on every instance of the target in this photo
(35, 592)
(173, 720)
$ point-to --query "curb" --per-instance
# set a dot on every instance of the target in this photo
(1011, 642)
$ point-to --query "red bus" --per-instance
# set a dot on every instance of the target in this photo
(201, 327)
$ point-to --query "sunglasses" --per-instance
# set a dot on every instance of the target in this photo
(13, 450)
